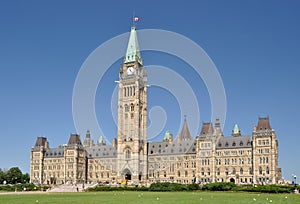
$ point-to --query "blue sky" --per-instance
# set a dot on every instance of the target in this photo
(254, 45)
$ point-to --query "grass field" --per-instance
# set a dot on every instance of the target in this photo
(149, 197)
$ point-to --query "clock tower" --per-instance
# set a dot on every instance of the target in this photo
(132, 115)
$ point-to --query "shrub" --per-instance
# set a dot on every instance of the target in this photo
(169, 187)
(268, 189)
(219, 186)
(21, 187)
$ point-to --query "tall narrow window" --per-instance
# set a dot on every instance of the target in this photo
(127, 154)
(267, 170)
(218, 171)
(233, 171)
(260, 170)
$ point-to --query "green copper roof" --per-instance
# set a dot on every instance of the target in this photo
(133, 49)
(167, 135)
(101, 140)
(236, 129)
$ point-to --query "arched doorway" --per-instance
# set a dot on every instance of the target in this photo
(128, 176)
(232, 180)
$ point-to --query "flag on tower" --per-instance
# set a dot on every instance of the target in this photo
(135, 19)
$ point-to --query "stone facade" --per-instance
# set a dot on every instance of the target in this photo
(208, 157)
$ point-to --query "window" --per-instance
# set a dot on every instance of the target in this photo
(202, 171)
(250, 170)
(226, 171)
(233, 171)
(267, 170)
(218, 171)
(241, 143)
(186, 174)
(233, 144)
(241, 171)
(131, 107)
(178, 173)
(127, 154)
(260, 170)
(126, 108)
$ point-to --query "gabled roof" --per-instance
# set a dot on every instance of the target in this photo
(133, 49)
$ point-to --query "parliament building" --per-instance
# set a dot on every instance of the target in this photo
(207, 157)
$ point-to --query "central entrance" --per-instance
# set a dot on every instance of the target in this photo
(128, 176)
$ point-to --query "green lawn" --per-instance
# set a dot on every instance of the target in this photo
(149, 197)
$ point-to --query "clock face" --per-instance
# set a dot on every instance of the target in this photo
(130, 70)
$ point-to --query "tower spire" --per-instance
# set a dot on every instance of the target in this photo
(133, 49)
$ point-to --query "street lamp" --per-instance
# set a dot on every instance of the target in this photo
(295, 177)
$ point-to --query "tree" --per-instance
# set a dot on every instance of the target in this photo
(2, 176)
(14, 175)
(25, 178)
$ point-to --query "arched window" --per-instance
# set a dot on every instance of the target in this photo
(267, 160)
(127, 154)
(178, 173)
(208, 171)
(218, 171)
(185, 173)
(241, 143)
(132, 107)
(267, 170)
(250, 170)
(226, 144)
(241, 171)
(233, 144)
(124, 90)
(202, 171)
(165, 174)
(126, 108)
(233, 171)
(260, 170)
(130, 93)
(226, 171)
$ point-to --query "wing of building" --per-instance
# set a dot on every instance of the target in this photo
(208, 157)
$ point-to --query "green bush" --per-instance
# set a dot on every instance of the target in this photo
(115, 188)
(219, 186)
(168, 187)
(21, 187)
(268, 189)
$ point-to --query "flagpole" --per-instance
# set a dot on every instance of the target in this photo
(133, 22)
